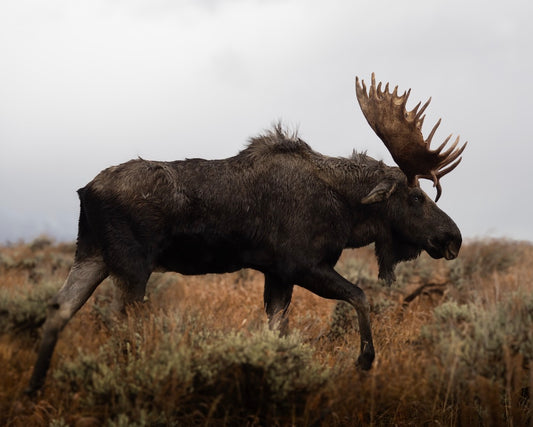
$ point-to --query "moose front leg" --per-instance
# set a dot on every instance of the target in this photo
(327, 283)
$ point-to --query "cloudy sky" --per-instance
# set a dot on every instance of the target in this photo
(88, 84)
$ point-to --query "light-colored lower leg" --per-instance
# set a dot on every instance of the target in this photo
(81, 282)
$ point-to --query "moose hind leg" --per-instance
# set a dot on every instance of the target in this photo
(327, 283)
(129, 291)
(277, 297)
(84, 276)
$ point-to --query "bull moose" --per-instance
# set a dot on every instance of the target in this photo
(277, 207)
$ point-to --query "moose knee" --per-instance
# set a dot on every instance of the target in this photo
(359, 301)
(57, 316)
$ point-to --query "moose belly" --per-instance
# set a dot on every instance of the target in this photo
(192, 255)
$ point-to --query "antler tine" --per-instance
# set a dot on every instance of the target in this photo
(452, 147)
(405, 97)
(439, 190)
(452, 156)
(450, 168)
(372, 89)
(414, 110)
(417, 117)
(440, 147)
(420, 122)
(448, 160)
(360, 88)
(454, 160)
(430, 136)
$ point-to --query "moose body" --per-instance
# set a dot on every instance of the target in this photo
(278, 207)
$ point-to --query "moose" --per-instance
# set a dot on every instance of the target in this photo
(278, 207)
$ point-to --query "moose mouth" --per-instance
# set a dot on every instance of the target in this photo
(448, 250)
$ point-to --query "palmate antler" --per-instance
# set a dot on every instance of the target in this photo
(401, 131)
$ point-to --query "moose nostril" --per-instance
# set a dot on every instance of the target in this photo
(452, 250)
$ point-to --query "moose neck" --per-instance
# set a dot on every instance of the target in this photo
(352, 179)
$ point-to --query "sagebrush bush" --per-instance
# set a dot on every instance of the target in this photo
(6, 261)
(477, 336)
(139, 377)
(483, 258)
(343, 321)
(24, 311)
(286, 363)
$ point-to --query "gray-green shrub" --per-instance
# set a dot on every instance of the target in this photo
(165, 377)
(476, 336)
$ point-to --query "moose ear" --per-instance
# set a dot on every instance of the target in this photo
(380, 192)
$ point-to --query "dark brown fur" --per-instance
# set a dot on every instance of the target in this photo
(278, 207)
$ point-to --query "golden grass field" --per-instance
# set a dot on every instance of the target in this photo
(454, 347)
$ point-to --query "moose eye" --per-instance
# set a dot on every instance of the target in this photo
(417, 198)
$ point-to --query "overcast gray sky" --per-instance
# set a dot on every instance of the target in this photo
(88, 84)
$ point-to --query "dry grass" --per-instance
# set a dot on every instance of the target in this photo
(454, 345)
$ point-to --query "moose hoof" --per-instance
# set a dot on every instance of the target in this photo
(364, 361)
(30, 391)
